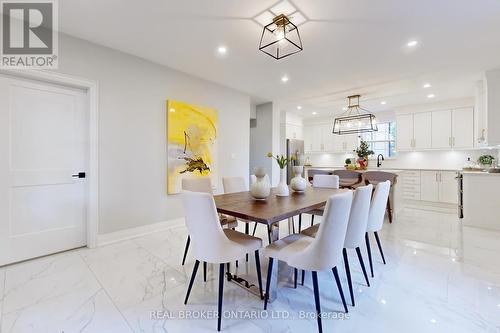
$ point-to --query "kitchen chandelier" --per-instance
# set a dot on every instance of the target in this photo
(355, 120)
(280, 38)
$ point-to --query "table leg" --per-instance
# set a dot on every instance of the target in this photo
(275, 235)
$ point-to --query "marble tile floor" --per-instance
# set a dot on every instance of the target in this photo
(439, 277)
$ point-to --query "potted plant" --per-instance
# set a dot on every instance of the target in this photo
(363, 152)
(282, 160)
(486, 160)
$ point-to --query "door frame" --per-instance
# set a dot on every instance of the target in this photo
(91, 87)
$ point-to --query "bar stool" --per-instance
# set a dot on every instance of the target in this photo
(349, 178)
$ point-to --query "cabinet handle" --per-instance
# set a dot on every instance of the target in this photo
(453, 141)
(322, 147)
(437, 177)
(449, 142)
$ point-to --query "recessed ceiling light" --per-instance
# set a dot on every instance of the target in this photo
(314, 113)
(433, 321)
(427, 85)
(383, 102)
(412, 43)
(222, 50)
(431, 96)
(284, 79)
(299, 107)
(383, 301)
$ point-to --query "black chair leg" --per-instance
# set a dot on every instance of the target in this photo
(247, 232)
(293, 225)
(312, 220)
(295, 273)
(380, 246)
(269, 232)
(303, 277)
(316, 300)
(348, 273)
(259, 274)
(204, 271)
(268, 282)
(360, 257)
(369, 251)
(237, 263)
(339, 287)
(300, 223)
(221, 292)
(254, 229)
(186, 250)
(193, 276)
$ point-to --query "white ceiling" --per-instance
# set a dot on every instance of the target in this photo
(350, 46)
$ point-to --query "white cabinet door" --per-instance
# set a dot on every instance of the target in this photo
(326, 138)
(463, 128)
(448, 187)
(351, 142)
(429, 186)
(308, 139)
(441, 129)
(404, 132)
(422, 130)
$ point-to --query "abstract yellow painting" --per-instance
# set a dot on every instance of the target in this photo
(192, 143)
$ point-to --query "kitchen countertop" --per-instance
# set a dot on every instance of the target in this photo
(387, 169)
(480, 173)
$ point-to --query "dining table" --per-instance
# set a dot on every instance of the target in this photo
(270, 212)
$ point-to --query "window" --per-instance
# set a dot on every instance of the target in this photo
(382, 141)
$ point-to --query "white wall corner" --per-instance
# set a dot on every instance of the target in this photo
(121, 235)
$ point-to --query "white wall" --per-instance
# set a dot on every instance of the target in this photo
(132, 130)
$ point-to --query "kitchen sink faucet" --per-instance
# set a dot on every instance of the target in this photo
(379, 164)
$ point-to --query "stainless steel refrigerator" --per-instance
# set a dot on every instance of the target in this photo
(294, 147)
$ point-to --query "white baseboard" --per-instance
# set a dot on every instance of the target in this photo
(118, 236)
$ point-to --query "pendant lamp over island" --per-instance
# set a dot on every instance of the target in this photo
(355, 120)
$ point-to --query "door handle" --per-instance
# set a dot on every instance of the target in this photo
(79, 175)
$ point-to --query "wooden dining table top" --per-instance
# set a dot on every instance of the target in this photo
(274, 208)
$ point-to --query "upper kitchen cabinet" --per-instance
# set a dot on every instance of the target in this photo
(404, 132)
(463, 128)
(413, 131)
(443, 129)
(312, 139)
(487, 117)
(319, 138)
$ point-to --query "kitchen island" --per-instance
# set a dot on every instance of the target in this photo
(481, 199)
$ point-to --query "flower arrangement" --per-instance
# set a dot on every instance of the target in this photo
(282, 160)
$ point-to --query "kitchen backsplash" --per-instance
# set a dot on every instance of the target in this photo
(410, 160)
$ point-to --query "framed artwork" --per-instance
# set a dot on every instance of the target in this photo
(192, 143)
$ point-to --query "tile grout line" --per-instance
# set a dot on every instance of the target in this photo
(106, 292)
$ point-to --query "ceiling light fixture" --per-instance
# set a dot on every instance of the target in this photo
(284, 79)
(431, 96)
(222, 50)
(299, 107)
(383, 102)
(314, 113)
(355, 120)
(280, 38)
(427, 85)
(412, 43)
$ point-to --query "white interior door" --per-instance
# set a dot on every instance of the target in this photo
(43, 143)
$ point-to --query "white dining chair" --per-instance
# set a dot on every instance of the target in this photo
(212, 243)
(234, 185)
(322, 253)
(204, 185)
(321, 181)
(356, 230)
(376, 218)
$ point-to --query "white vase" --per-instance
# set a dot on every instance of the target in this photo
(261, 188)
(298, 183)
(282, 188)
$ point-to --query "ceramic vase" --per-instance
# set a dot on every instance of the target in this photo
(262, 187)
(298, 183)
(282, 188)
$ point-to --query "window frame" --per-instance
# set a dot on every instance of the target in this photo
(372, 157)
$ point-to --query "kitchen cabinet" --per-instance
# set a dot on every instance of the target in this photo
(439, 186)
(404, 132)
(319, 138)
(463, 128)
(422, 127)
(293, 131)
(441, 129)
